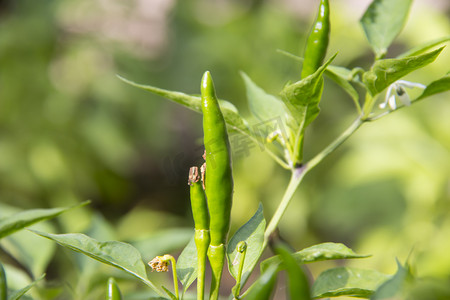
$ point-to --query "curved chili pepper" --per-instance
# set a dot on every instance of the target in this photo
(218, 181)
(201, 221)
(317, 43)
(113, 291)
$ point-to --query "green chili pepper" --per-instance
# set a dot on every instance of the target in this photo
(316, 46)
(113, 292)
(201, 221)
(218, 181)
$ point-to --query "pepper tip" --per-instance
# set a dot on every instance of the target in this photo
(207, 87)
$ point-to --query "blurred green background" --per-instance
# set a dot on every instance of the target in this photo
(70, 130)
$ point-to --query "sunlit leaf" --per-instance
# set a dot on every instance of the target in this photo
(342, 76)
(229, 111)
(16, 222)
(252, 233)
(117, 254)
(397, 286)
(386, 71)
(424, 47)
(438, 86)
(18, 294)
(383, 21)
(263, 287)
(187, 264)
(345, 281)
(320, 252)
(262, 105)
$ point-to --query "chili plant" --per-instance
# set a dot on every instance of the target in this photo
(211, 188)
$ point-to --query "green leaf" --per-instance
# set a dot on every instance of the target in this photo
(397, 286)
(3, 283)
(263, 287)
(252, 233)
(424, 47)
(117, 254)
(341, 75)
(383, 21)
(262, 105)
(320, 252)
(438, 86)
(229, 111)
(187, 265)
(33, 252)
(171, 295)
(18, 294)
(386, 71)
(345, 281)
(16, 222)
(298, 283)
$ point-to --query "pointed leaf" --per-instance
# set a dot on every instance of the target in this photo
(302, 97)
(298, 283)
(252, 233)
(334, 73)
(386, 71)
(342, 76)
(33, 252)
(117, 254)
(397, 286)
(187, 265)
(345, 281)
(171, 295)
(16, 222)
(229, 111)
(262, 105)
(424, 47)
(383, 21)
(18, 294)
(320, 252)
(262, 288)
(438, 86)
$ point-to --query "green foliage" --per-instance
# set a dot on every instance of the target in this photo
(73, 133)
(187, 265)
(386, 71)
(320, 252)
(117, 254)
(345, 281)
(16, 222)
(252, 233)
(383, 21)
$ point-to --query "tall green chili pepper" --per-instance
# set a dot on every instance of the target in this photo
(218, 181)
(201, 221)
(316, 46)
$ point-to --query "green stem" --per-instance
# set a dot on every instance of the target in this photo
(175, 278)
(241, 249)
(202, 242)
(336, 143)
(296, 178)
(298, 173)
